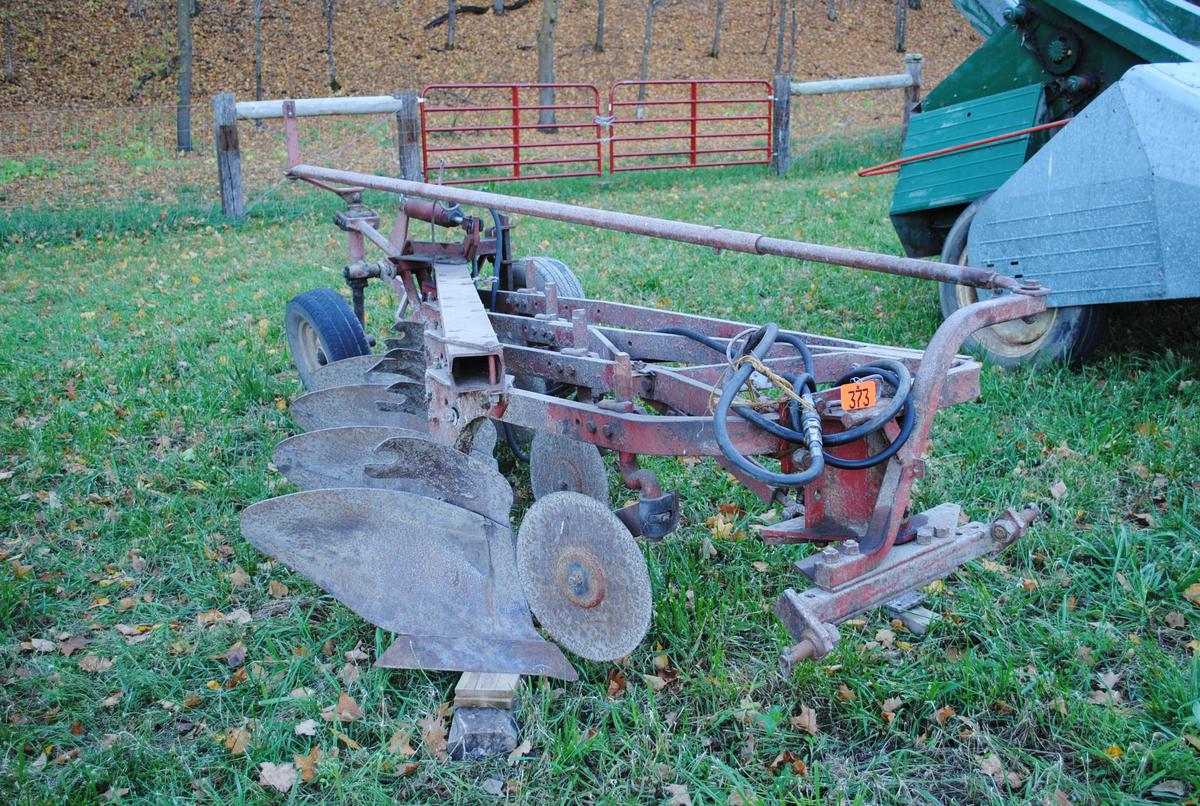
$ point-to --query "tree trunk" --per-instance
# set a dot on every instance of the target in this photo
(330, 63)
(792, 44)
(451, 24)
(831, 10)
(498, 7)
(183, 106)
(770, 25)
(10, 71)
(901, 24)
(779, 40)
(915, 5)
(647, 39)
(545, 64)
(258, 54)
(715, 50)
(599, 46)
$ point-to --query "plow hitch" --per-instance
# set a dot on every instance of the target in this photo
(404, 517)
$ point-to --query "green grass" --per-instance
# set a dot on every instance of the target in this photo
(143, 383)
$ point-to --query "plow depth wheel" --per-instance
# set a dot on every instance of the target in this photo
(1055, 335)
(584, 576)
(322, 329)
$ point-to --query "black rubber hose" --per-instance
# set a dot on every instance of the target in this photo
(906, 428)
(802, 348)
(513, 446)
(694, 335)
(759, 345)
(799, 383)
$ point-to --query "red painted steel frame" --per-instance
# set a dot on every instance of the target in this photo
(694, 109)
(513, 106)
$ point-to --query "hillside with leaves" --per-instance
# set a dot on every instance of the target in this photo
(123, 53)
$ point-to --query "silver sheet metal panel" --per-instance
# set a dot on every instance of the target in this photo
(1109, 209)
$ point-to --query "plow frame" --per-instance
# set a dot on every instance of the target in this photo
(642, 392)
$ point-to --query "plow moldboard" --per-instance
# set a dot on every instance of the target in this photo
(442, 578)
(393, 459)
(360, 404)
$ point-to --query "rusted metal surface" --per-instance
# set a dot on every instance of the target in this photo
(393, 459)
(429, 571)
(589, 371)
(359, 369)
(584, 576)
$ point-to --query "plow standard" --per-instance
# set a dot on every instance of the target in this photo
(403, 516)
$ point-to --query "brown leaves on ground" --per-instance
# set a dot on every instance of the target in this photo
(238, 740)
(238, 578)
(991, 766)
(805, 720)
(306, 728)
(845, 693)
(307, 764)
(888, 708)
(434, 729)
(277, 589)
(520, 752)
(401, 742)
(1192, 594)
(95, 664)
(344, 710)
(788, 759)
(1106, 693)
(943, 714)
(277, 776)
(678, 795)
(616, 682)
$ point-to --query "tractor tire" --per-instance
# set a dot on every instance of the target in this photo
(1058, 335)
(322, 329)
(548, 270)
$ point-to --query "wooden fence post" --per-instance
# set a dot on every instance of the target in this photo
(229, 156)
(781, 116)
(913, 65)
(408, 137)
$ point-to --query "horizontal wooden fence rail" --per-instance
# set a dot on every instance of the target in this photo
(784, 88)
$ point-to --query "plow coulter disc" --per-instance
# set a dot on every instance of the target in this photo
(441, 577)
(358, 370)
(558, 464)
(362, 404)
(584, 576)
(393, 459)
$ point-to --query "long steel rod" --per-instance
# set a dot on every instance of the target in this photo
(699, 234)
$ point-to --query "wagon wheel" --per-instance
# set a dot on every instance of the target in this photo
(322, 329)
(1067, 334)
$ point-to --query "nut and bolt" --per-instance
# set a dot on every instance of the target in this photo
(829, 554)
(924, 536)
(850, 548)
(941, 531)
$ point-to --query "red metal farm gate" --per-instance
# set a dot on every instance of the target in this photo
(690, 124)
(469, 130)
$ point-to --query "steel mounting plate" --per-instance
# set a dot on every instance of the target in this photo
(443, 578)
(584, 576)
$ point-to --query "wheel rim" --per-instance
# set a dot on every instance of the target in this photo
(1014, 339)
(308, 355)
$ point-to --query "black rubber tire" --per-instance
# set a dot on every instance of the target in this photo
(548, 270)
(1060, 335)
(321, 328)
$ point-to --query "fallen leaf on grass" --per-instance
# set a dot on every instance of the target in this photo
(277, 776)
(887, 638)
(434, 733)
(307, 764)
(1175, 620)
(344, 739)
(1114, 752)
(236, 740)
(235, 656)
(788, 759)
(238, 578)
(345, 710)
(71, 645)
(355, 655)
(677, 795)
(845, 694)
(520, 752)
(889, 707)
(112, 699)
(1192, 594)
(991, 766)
(92, 663)
(1058, 489)
(761, 566)
(401, 744)
(616, 683)
(38, 645)
(806, 721)
(306, 728)
(1169, 790)
(943, 714)
(277, 589)
(1193, 741)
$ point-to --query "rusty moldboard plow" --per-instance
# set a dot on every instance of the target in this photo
(403, 516)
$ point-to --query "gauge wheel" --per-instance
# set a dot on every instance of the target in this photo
(322, 329)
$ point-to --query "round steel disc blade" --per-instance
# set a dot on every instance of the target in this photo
(558, 464)
(393, 459)
(350, 371)
(358, 404)
(584, 576)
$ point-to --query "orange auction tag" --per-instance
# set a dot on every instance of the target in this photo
(859, 395)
